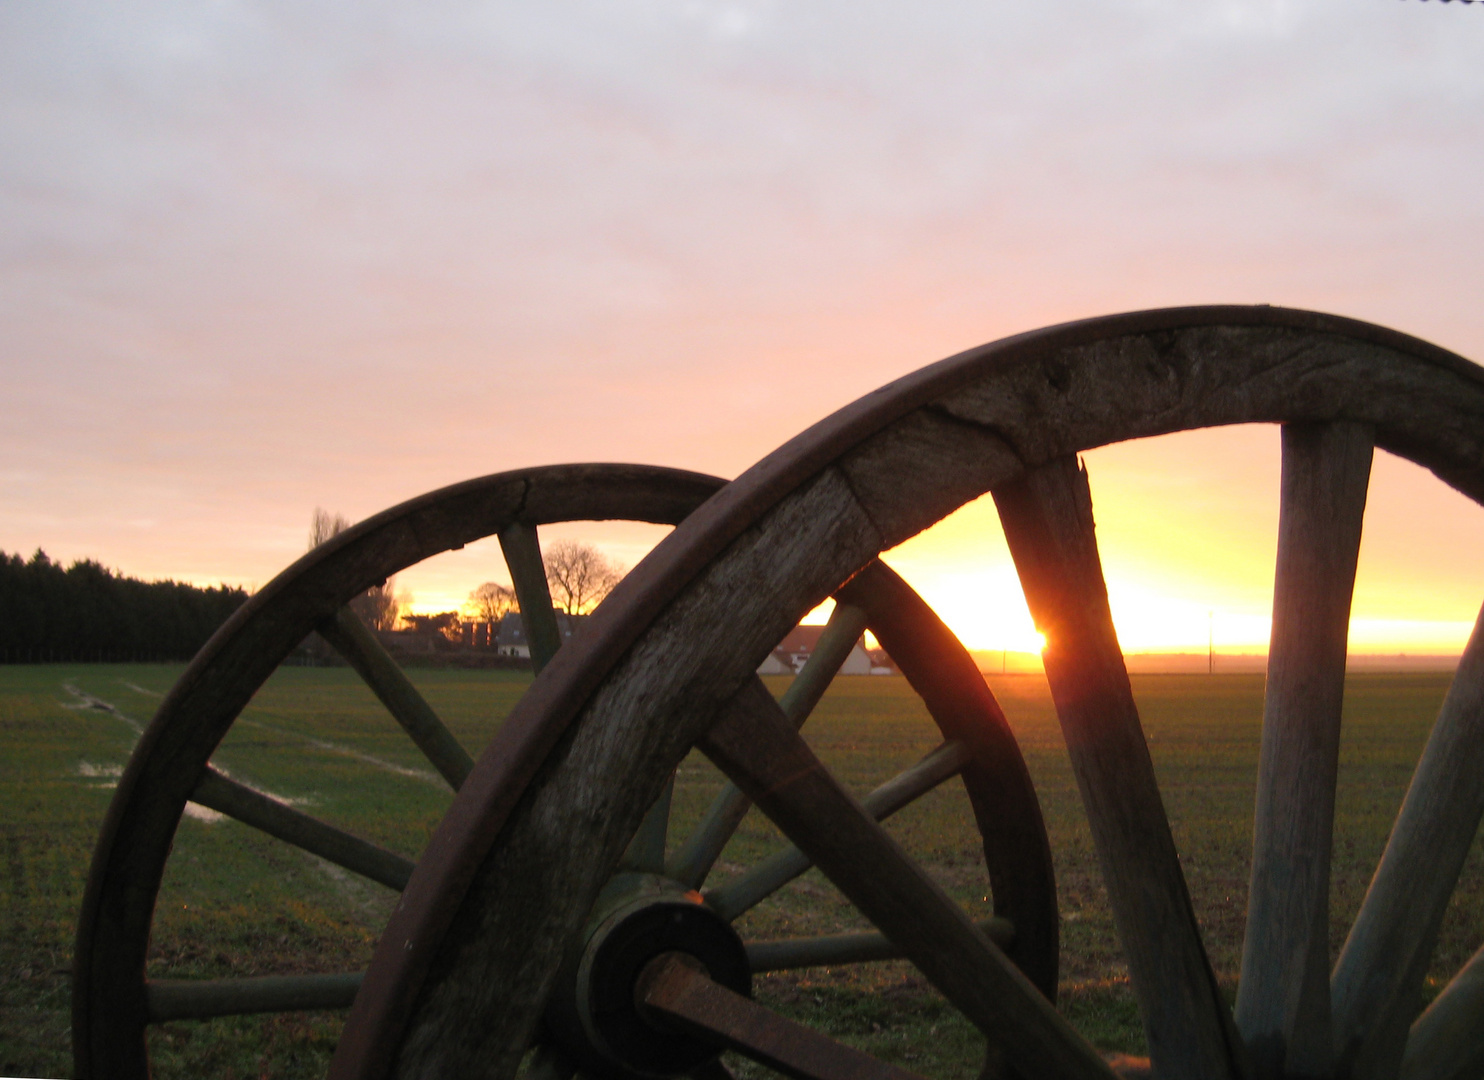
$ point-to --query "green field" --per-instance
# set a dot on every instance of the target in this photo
(238, 903)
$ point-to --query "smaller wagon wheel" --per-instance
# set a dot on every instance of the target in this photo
(461, 977)
(114, 1002)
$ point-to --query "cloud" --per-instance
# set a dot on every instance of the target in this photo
(258, 257)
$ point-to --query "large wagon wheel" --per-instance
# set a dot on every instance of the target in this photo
(461, 977)
(113, 1001)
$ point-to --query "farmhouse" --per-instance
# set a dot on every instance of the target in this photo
(793, 653)
(511, 640)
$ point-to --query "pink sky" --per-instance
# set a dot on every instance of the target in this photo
(258, 258)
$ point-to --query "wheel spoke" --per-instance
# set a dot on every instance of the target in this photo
(528, 574)
(1283, 1002)
(1377, 985)
(358, 645)
(1447, 1041)
(200, 999)
(694, 859)
(250, 807)
(677, 993)
(1017, 854)
(835, 949)
(759, 749)
(646, 852)
(770, 875)
(1048, 523)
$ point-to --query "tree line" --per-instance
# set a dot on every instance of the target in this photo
(86, 612)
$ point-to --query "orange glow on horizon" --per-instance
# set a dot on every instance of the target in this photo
(1187, 531)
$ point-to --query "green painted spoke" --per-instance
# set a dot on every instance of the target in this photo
(848, 948)
(193, 999)
(646, 852)
(754, 744)
(693, 861)
(358, 645)
(528, 574)
(294, 827)
(770, 875)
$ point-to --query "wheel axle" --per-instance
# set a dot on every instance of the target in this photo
(594, 1015)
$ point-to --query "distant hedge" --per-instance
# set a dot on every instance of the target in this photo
(86, 612)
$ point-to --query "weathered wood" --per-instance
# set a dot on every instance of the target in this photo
(358, 645)
(693, 861)
(1048, 523)
(523, 559)
(1377, 983)
(518, 907)
(201, 999)
(778, 869)
(295, 827)
(646, 852)
(833, 949)
(1447, 1041)
(756, 746)
(677, 993)
(1283, 1001)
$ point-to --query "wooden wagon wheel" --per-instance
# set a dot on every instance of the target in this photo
(463, 972)
(113, 1001)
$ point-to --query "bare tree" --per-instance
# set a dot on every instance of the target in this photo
(379, 607)
(491, 602)
(325, 525)
(579, 576)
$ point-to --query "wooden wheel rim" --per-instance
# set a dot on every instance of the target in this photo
(109, 1014)
(110, 1010)
(859, 482)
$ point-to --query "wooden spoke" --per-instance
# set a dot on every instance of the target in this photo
(756, 746)
(294, 827)
(201, 999)
(1017, 854)
(778, 870)
(695, 858)
(835, 949)
(1377, 984)
(358, 645)
(1447, 1041)
(528, 574)
(1283, 1002)
(676, 993)
(646, 852)
(1048, 523)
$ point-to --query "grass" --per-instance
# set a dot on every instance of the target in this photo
(237, 903)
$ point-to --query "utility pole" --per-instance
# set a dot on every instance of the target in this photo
(1210, 643)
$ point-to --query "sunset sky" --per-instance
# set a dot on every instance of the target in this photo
(259, 258)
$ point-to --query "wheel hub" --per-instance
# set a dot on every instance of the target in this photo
(593, 1013)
